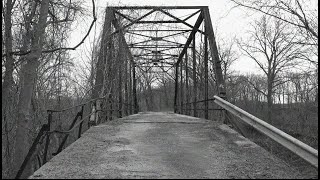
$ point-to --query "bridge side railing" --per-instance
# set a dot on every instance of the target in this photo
(77, 123)
(299, 148)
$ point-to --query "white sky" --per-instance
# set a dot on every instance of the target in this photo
(227, 23)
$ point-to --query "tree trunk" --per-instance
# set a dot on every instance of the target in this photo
(29, 76)
(8, 79)
(269, 102)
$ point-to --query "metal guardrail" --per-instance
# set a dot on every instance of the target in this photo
(301, 149)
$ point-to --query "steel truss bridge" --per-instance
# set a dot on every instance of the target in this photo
(173, 40)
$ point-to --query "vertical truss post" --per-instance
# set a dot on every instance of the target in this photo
(206, 103)
(120, 58)
(103, 56)
(181, 87)
(130, 88)
(214, 54)
(194, 76)
(187, 85)
(216, 61)
(176, 88)
(136, 108)
(126, 95)
(120, 94)
(110, 104)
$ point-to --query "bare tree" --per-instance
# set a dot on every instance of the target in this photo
(227, 56)
(31, 27)
(272, 51)
(298, 13)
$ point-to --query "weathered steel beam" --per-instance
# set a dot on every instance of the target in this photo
(179, 20)
(150, 62)
(160, 30)
(206, 83)
(141, 46)
(194, 30)
(180, 44)
(143, 35)
(152, 55)
(214, 53)
(120, 61)
(132, 44)
(187, 84)
(181, 88)
(175, 34)
(194, 77)
(126, 94)
(158, 7)
(135, 100)
(157, 66)
(176, 88)
(103, 53)
(193, 14)
(156, 22)
(132, 81)
(122, 15)
(133, 22)
(130, 89)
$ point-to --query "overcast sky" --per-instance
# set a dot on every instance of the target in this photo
(227, 22)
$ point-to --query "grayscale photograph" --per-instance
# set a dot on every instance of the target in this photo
(159, 89)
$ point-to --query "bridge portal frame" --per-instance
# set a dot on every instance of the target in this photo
(113, 27)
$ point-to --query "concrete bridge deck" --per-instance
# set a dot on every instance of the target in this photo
(163, 145)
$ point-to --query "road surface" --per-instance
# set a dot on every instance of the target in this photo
(164, 145)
